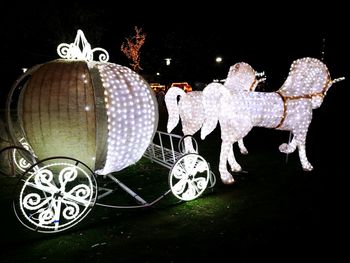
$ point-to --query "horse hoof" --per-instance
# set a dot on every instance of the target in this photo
(244, 152)
(228, 180)
(283, 148)
(236, 169)
(286, 148)
(308, 168)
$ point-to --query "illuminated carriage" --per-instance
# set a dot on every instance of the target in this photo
(72, 119)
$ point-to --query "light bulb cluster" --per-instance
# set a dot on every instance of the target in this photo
(314, 83)
(241, 77)
(131, 113)
(290, 108)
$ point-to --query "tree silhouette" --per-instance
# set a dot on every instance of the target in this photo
(131, 48)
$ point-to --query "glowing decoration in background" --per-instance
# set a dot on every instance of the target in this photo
(218, 59)
(290, 108)
(182, 85)
(167, 61)
(131, 48)
(100, 113)
(190, 108)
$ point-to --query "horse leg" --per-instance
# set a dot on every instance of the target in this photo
(288, 147)
(242, 147)
(301, 139)
(226, 177)
(189, 128)
(235, 167)
(189, 145)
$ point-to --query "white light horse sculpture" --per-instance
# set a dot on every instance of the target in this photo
(290, 108)
(190, 108)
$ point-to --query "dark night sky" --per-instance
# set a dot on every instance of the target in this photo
(268, 38)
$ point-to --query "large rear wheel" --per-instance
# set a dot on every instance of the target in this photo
(55, 194)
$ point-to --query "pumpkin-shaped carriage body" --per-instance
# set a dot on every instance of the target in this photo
(101, 113)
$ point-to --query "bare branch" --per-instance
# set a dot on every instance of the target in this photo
(131, 48)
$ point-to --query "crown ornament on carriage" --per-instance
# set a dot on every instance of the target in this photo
(80, 49)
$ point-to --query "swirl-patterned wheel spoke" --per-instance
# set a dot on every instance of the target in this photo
(57, 193)
(189, 177)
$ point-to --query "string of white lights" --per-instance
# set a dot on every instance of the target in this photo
(131, 112)
(190, 108)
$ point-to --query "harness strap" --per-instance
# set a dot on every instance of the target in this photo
(307, 96)
(253, 84)
(284, 99)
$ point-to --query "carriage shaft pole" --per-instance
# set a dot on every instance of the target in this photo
(127, 189)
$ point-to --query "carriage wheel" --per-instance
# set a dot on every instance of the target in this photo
(55, 194)
(23, 159)
(189, 177)
(212, 180)
(19, 159)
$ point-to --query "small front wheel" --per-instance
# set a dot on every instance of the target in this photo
(189, 177)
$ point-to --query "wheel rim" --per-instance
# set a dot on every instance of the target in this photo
(212, 180)
(189, 177)
(57, 194)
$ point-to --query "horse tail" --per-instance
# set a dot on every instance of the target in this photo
(212, 95)
(172, 106)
